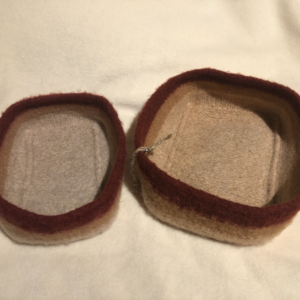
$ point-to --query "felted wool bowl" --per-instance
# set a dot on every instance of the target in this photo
(231, 169)
(62, 159)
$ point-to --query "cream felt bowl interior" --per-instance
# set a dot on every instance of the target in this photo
(55, 160)
(52, 154)
(234, 146)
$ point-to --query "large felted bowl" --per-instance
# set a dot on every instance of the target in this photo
(231, 170)
(62, 160)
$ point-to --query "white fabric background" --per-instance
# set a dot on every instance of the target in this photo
(124, 49)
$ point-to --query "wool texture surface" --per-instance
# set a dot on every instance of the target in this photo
(234, 156)
(49, 188)
(124, 50)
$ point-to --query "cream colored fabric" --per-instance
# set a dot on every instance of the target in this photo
(125, 49)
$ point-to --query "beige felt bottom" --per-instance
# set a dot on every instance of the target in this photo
(56, 159)
(91, 229)
(239, 144)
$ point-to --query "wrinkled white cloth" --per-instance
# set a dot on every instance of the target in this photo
(123, 50)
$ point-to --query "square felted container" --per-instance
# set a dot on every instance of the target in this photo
(231, 169)
(62, 159)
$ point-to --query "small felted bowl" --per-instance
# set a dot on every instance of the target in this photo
(62, 159)
(231, 169)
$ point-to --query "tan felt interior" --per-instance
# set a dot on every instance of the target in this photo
(56, 159)
(237, 143)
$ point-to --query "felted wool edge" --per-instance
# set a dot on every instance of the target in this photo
(174, 200)
(88, 220)
(209, 227)
(86, 231)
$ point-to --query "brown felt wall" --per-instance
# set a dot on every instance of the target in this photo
(209, 227)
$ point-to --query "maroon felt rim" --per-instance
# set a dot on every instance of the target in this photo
(85, 214)
(198, 201)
